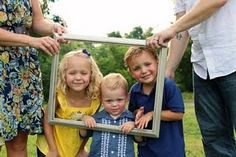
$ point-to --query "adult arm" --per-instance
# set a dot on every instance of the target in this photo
(201, 11)
(49, 45)
(13, 39)
(176, 50)
(41, 26)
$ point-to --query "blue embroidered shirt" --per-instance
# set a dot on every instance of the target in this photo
(108, 144)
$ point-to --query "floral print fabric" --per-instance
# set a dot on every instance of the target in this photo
(21, 95)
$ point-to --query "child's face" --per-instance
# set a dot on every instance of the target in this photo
(143, 68)
(78, 73)
(114, 100)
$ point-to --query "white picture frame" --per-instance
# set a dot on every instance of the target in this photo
(154, 132)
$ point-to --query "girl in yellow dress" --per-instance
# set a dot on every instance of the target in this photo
(77, 94)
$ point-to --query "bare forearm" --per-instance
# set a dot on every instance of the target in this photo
(49, 135)
(168, 115)
(12, 39)
(176, 50)
(43, 27)
(201, 11)
(40, 25)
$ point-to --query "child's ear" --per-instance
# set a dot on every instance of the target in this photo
(128, 97)
(130, 72)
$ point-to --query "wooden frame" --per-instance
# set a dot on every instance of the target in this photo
(104, 127)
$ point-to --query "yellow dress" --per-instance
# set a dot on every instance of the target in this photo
(67, 139)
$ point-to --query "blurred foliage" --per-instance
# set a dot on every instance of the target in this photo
(114, 34)
(46, 12)
(109, 57)
(44, 5)
(184, 71)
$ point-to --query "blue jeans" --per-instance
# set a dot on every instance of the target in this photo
(215, 107)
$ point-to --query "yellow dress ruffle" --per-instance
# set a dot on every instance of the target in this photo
(67, 139)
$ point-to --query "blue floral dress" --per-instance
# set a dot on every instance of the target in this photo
(21, 95)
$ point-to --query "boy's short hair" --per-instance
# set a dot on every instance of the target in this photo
(114, 81)
(135, 51)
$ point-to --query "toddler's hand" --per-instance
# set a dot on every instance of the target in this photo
(89, 121)
(127, 127)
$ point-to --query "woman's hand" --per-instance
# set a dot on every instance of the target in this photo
(59, 29)
(49, 45)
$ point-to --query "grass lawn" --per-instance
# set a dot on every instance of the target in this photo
(191, 132)
(193, 144)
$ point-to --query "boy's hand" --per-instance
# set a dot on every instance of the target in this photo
(127, 127)
(89, 121)
(143, 121)
(139, 114)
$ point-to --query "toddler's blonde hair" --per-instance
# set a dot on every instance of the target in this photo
(113, 81)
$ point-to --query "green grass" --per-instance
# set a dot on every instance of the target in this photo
(191, 132)
(31, 147)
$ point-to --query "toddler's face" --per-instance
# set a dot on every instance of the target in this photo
(143, 68)
(78, 73)
(114, 101)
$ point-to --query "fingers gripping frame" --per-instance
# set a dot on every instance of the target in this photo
(104, 127)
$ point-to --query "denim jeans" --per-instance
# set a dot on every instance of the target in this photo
(215, 107)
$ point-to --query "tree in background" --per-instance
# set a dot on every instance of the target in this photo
(109, 57)
(114, 34)
(183, 74)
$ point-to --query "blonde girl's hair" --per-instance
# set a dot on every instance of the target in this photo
(93, 89)
(113, 81)
(134, 51)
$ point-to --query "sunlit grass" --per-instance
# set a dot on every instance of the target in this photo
(191, 132)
